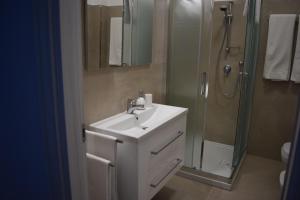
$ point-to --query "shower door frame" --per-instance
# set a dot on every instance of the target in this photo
(199, 175)
(196, 157)
(247, 85)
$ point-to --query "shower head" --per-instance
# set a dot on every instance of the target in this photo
(224, 8)
(227, 9)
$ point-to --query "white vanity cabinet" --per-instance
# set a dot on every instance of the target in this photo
(160, 156)
(147, 162)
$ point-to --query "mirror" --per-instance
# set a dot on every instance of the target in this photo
(118, 33)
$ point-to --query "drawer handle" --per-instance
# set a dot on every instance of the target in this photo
(180, 133)
(154, 185)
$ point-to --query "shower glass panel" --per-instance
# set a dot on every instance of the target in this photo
(184, 74)
(208, 43)
(228, 44)
(247, 84)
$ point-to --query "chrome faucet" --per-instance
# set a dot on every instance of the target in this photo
(132, 106)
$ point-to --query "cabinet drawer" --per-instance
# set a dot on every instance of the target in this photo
(166, 145)
(157, 155)
(162, 155)
(173, 139)
(161, 178)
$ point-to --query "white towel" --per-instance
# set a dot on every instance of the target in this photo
(115, 49)
(279, 47)
(296, 66)
(99, 178)
(104, 146)
(101, 145)
(105, 2)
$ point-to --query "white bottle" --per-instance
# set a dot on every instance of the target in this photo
(148, 100)
(141, 99)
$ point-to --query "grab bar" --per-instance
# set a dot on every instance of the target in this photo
(204, 84)
(84, 129)
(154, 185)
(180, 133)
(89, 155)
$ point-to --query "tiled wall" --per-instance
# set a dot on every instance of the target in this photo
(275, 103)
(106, 91)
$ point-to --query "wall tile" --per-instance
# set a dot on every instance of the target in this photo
(275, 103)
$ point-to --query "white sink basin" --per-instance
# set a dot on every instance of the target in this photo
(140, 123)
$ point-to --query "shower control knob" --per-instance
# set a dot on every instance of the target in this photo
(245, 74)
(227, 69)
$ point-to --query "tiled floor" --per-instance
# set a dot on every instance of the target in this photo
(257, 180)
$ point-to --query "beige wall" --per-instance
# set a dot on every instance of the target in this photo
(106, 91)
(222, 112)
(275, 103)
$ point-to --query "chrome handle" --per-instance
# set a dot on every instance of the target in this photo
(204, 81)
(131, 102)
(154, 185)
(243, 73)
(227, 69)
(156, 152)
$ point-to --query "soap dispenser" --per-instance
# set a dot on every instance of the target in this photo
(141, 98)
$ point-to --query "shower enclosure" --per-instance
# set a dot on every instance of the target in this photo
(212, 50)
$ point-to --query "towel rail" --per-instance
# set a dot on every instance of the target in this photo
(119, 141)
(84, 134)
(297, 19)
(111, 165)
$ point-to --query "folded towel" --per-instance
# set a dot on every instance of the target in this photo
(296, 66)
(105, 2)
(101, 145)
(279, 47)
(104, 146)
(115, 49)
(99, 178)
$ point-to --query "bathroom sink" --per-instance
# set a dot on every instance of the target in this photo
(140, 123)
(136, 122)
(151, 148)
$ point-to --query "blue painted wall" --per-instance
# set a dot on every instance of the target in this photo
(33, 161)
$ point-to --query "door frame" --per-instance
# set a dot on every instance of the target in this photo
(292, 178)
(247, 85)
(71, 35)
(72, 65)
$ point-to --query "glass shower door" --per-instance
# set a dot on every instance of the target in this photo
(186, 80)
(248, 78)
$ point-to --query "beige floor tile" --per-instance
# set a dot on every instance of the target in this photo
(180, 188)
(257, 180)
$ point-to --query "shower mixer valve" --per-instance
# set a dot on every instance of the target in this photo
(227, 69)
